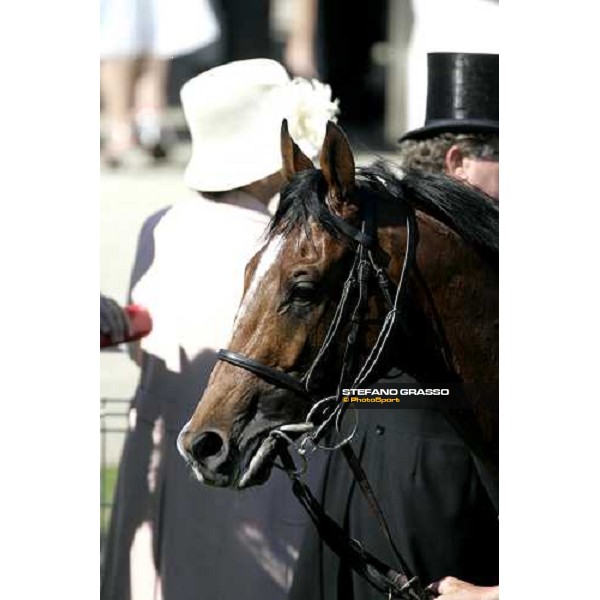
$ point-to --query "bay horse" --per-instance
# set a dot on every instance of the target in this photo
(448, 330)
(425, 302)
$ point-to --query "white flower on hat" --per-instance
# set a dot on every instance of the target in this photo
(310, 107)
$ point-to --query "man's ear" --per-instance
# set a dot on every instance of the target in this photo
(293, 159)
(337, 164)
(454, 162)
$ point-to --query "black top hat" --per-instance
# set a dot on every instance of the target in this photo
(462, 95)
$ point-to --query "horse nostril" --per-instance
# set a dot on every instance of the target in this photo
(207, 444)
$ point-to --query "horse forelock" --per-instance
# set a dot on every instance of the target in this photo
(303, 200)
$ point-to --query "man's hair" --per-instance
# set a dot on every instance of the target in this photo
(428, 155)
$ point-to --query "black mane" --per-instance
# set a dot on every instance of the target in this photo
(473, 215)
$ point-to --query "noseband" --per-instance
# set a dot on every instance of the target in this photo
(397, 583)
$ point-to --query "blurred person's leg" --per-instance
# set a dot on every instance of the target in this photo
(150, 104)
(117, 76)
(299, 53)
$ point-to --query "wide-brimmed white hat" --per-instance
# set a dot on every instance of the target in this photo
(234, 114)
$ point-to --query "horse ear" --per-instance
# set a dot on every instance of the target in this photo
(294, 160)
(337, 164)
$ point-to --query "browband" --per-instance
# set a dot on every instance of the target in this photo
(352, 232)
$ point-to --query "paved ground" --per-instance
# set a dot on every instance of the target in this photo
(127, 198)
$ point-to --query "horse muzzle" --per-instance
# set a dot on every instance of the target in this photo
(217, 462)
(207, 453)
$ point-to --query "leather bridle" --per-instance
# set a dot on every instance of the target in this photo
(399, 582)
(364, 263)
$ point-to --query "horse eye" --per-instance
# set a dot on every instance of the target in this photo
(303, 291)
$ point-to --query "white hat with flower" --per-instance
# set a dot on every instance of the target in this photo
(234, 114)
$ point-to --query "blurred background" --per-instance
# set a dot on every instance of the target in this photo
(373, 54)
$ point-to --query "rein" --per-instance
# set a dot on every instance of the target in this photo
(397, 583)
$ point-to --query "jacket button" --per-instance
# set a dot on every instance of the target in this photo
(379, 429)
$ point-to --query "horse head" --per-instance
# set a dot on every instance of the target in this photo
(282, 353)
